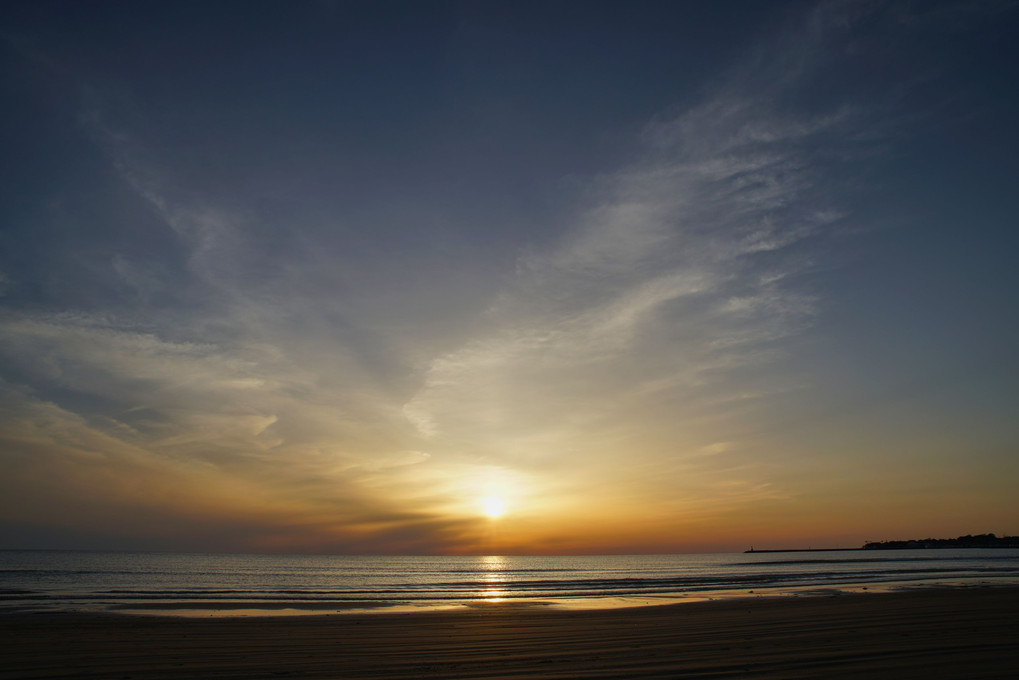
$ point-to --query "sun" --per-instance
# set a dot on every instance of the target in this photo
(493, 506)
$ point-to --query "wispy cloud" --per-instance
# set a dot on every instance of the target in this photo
(680, 270)
(677, 271)
(322, 386)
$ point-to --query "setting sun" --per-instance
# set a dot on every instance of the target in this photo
(493, 506)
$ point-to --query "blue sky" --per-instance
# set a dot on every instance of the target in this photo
(323, 276)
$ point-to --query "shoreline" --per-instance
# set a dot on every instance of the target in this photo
(270, 608)
(932, 633)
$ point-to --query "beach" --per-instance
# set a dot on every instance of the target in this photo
(930, 633)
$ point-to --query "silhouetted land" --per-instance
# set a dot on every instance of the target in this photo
(967, 541)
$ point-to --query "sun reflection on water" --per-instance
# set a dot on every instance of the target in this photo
(493, 576)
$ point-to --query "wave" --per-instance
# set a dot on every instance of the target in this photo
(30, 579)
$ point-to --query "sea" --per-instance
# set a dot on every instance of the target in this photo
(187, 584)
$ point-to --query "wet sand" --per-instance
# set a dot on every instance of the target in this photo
(962, 633)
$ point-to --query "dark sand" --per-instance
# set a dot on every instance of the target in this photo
(965, 633)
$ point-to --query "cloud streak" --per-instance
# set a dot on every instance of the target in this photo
(677, 271)
(339, 374)
(681, 270)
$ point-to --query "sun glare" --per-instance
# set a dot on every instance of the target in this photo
(493, 506)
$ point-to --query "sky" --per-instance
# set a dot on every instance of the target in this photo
(648, 277)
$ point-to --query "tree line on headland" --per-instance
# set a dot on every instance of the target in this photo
(968, 541)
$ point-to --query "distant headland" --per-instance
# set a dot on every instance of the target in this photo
(968, 541)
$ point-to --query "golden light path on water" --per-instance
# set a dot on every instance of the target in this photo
(494, 578)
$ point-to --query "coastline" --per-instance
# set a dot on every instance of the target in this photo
(932, 633)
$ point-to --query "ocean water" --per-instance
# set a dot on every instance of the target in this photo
(203, 584)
